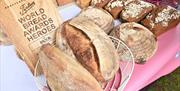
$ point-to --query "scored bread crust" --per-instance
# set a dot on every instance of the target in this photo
(141, 41)
(91, 47)
(63, 73)
(101, 17)
(61, 42)
(82, 49)
(106, 53)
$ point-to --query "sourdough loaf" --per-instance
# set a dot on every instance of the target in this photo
(63, 73)
(140, 40)
(91, 46)
(100, 17)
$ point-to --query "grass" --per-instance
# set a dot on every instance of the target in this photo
(169, 82)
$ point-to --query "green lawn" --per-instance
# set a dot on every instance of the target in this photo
(169, 82)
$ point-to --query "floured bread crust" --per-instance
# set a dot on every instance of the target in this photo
(141, 41)
(61, 42)
(107, 55)
(100, 17)
(83, 50)
(63, 73)
(92, 47)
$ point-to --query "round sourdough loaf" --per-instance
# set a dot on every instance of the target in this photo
(141, 41)
(100, 17)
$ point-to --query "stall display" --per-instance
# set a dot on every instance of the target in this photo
(93, 45)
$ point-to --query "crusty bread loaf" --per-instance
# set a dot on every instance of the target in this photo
(116, 6)
(82, 49)
(162, 19)
(91, 47)
(63, 73)
(136, 11)
(100, 17)
(141, 41)
(99, 3)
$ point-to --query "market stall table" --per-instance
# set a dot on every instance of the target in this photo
(15, 76)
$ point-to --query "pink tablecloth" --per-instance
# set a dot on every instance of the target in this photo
(166, 59)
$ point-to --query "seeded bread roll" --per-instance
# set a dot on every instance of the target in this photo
(116, 6)
(136, 11)
(63, 73)
(162, 19)
(140, 40)
(101, 17)
(83, 3)
(91, 47)
(99, 3)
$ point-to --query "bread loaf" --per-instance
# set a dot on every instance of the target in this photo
(140, 40)
(136, 10)
(91, 47)
(63, 73)
(162, 19)
(100, 17)
(116, 6)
